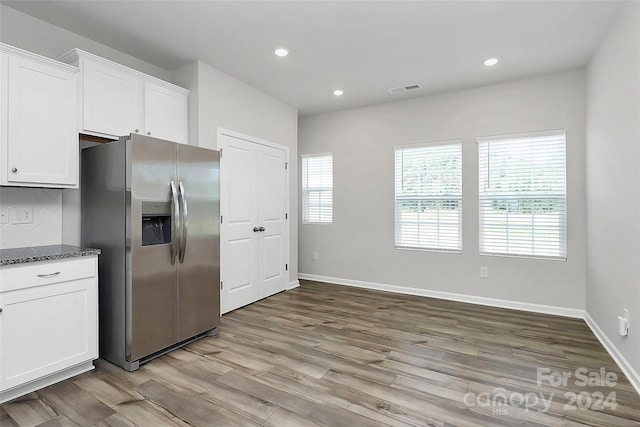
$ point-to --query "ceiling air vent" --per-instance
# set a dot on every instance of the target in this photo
(404, 88)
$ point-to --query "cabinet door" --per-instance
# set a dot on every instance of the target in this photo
(112, 101)
(45, 329)
(165, 113)
(41, 137)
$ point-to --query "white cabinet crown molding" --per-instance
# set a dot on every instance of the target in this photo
(16, 51)
(75, 55)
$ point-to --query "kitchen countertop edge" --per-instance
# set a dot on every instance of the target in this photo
(26, 255)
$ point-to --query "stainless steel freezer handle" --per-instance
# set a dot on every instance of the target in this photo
(183, 246)
(175, 214)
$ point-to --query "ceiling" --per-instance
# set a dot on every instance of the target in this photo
(362, 47)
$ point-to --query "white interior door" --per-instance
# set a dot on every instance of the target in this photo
(253, 233)
(238, 241)
(272, 211)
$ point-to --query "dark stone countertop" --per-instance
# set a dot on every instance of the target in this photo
(43, 253)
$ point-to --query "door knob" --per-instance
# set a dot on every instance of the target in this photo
(261, 229)
(256, 229)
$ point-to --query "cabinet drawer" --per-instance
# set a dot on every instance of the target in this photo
(23, 276)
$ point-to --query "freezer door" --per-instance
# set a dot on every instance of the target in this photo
(152, 284)
(199, 254)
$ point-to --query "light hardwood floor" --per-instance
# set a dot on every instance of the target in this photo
(337, 356)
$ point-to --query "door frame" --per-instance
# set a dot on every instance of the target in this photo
(255, 140)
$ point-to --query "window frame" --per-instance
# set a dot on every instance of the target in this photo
(458, 198)
(563, 230)
(305, 191)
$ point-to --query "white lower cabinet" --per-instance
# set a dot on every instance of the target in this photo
(48, 323)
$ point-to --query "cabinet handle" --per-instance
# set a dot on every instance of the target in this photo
(148, 133)
(0, 310)
(136, 130)
(256, 229)
(46, 276)
(14, 170)
(261, 229)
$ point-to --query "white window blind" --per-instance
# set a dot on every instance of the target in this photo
(317, 188)
(429, 196)
(523, 195)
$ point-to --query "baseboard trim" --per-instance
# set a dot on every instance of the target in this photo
(293, 285)
(493, 302)
(632, 375)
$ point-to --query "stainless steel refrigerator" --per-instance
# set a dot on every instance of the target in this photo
(153, 207)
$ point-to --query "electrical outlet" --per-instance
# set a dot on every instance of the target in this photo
(484, 272)
(314, 255)
(4, 215)
(22, 215)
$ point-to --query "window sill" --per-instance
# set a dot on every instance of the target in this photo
(529, 257)
(442, 251)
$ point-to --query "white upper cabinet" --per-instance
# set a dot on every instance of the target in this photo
(112, 101)
(116, 101)
(39, 137)
(165, 113)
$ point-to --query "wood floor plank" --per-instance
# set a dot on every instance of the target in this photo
(76, 404)
(310, 408)
(145, 413)
(194, 409)
(115, 420)
(59, 421)
(28, 411)
(329, 355)
(284, 418)
(106, 389)
(354, 400)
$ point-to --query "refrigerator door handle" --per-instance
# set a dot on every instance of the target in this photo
(183, 199)
(175, 213)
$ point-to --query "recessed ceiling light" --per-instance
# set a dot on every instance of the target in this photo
(490, 62)
(282, 52)
(338, 92)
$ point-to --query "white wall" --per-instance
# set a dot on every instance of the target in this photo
(359, 245)
(223, 101)
(613, 183)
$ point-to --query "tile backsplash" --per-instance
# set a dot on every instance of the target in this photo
(46, 217)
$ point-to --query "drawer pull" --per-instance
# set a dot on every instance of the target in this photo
(46, 276)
